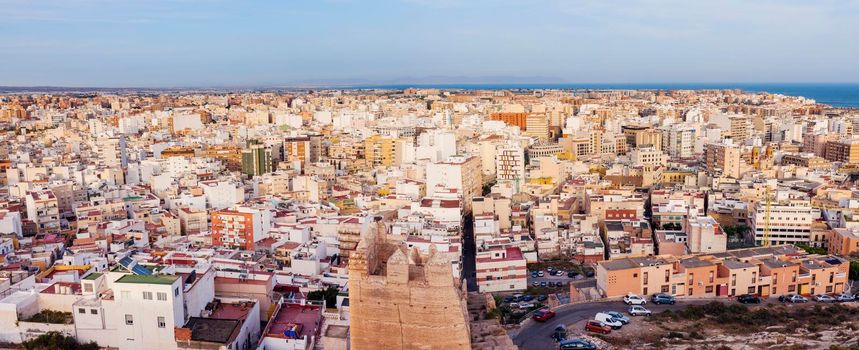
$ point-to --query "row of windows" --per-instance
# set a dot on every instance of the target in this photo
(162, 296)
(129, 321)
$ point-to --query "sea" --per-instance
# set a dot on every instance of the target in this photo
(833, 94)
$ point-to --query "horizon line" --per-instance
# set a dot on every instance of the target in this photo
(398, 85)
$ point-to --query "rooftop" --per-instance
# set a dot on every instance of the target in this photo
(148, 279)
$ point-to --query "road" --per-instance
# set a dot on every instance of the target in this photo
(469, 251)
(538, 336)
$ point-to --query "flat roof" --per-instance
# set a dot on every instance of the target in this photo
(212, 329)
(93, 276)
(160, 279)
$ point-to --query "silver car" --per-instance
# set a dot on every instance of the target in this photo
(638, 310)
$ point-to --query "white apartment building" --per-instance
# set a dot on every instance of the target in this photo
(461, 173)
(705, 235)
(43, 209)
(501, 269)
(131, 312)
(678, 141)
(223, 194)
(789, 221)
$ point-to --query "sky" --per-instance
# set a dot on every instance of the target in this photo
(219, 43)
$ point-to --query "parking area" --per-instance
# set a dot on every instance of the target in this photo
(555, 277)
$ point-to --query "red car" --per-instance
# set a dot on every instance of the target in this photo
(597, 327)
(543, 315)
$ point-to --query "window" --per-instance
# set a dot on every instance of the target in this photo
(751, 290)
(176, 292)
(709, 289)
(81, 310)
(161, 322)
(162, 296)
(93, 311)
(88, 287)
(125, 295)
(129, 320)
(147, 295)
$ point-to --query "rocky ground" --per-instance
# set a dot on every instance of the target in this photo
(731, 326)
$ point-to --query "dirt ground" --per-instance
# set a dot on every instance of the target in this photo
(790, 327)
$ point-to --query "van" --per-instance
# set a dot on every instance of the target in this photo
(608, 320)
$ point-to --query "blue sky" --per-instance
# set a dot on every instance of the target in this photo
(155, 43)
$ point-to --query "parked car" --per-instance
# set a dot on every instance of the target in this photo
(543, 315)
(576, 344)
(589, 274)
(572, 274)
(534, 274)
(792, 298)
(527, 297)
(543, 284)
(749, 299)
(526, 305)
(662, 298)
(535, 284)
(560, 332)
(608, 320)
(509, 299)
(638, 310)
(844, 297)
(823, 298)
(560, 272)
(618, 316)
(597, 327)
(541, 274)
(541, 298)
(632, 299)
(551, 284)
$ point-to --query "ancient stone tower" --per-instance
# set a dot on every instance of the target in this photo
(404, 300)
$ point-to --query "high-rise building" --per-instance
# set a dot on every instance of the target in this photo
(537, 126)
(510, 164)
(678, 142)
(256, 160)
(724, 158)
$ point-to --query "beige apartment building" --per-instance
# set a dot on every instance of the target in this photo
(726, 159)
(765, 271)
(845, 151)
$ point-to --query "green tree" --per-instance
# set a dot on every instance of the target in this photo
(854, 270)
(329, 295)
(57, 340)
(811, 250)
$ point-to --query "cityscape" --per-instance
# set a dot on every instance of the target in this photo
(362, 186)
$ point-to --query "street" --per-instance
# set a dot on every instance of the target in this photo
(537, 336)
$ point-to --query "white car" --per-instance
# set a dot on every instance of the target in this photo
(526, 305)
(638, 310)
(608, 320)
(632, 299)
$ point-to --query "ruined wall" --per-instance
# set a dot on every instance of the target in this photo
(402, 300)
